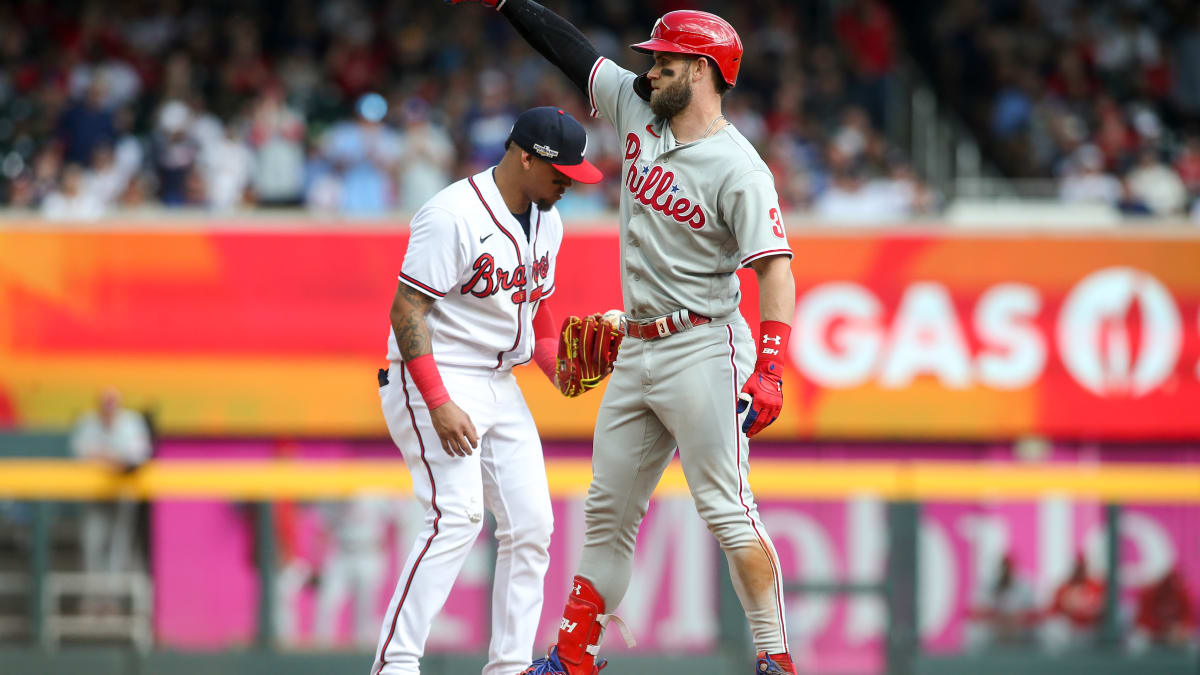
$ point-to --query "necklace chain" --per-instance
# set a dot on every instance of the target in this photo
(712, 124)
(707, 132)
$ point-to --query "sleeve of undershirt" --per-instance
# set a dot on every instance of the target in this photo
(545, 339)
(554, 38)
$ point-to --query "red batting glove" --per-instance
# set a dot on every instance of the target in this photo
(763, 391)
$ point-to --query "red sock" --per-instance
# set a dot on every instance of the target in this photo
(579, 627)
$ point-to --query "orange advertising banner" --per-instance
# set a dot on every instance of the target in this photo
(902, 335)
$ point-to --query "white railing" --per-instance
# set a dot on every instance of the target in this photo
(132, 623)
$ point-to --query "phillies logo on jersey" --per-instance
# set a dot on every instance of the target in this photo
(489, 279)
(656, 188)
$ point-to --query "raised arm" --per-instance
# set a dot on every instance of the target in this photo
(551, 35)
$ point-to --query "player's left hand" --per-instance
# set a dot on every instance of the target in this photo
(763, 394)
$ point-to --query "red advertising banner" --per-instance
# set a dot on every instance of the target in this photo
(896, 334)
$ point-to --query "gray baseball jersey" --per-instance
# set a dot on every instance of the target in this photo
(691, 213)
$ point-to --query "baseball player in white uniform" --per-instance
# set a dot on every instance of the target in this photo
(469, 306)
(697, 203)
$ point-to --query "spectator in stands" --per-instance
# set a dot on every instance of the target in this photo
(47, 168)
(294, 76)
(118, 438)
(844, 201)
(227, 165)
(277, 137)
(1076, 610)
(1124, 50)
(489, 122)
(1156, 185)
(1165, 615)
(128, 153)
(175, 154)
(426, 157)
(1086, 180)
(121, 82)
(364, 154)
(105, 181)
(868, 34)
(86, 124)
(72, 201)
(1187, 164)
(1002, 613)
(902, 191)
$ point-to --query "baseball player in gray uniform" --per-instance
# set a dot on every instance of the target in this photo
(697, 203)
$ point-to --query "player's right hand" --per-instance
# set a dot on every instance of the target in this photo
(763, 395)
(455, 429)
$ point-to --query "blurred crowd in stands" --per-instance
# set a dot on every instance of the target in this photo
(359, 107)
(1103, 96)
(1006, 614)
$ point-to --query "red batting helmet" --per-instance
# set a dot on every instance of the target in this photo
(689, 31)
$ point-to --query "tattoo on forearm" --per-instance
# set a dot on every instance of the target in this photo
(412, 335)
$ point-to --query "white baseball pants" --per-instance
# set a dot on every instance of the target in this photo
(506, 475)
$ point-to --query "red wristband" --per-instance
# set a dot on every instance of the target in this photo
(772, 342)
(428, 380)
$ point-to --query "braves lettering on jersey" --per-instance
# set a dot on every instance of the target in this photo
(487, 278)
(686, 226)
(467, 251)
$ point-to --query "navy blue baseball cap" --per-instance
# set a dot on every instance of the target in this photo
(558, 138)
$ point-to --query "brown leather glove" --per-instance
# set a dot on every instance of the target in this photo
(587, 349)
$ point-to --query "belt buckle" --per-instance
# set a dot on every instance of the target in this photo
(661, 324)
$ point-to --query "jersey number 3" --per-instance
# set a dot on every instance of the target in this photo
(777, 228)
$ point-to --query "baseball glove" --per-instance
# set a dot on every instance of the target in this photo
(587, 349)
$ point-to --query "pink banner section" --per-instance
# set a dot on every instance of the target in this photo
(339, 563)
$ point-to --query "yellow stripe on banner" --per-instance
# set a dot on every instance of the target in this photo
(65, 479)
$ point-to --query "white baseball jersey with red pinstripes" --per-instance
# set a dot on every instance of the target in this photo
(470, 254)
(691, 213)
(486, 277)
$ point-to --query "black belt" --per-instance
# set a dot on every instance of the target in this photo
(383, 377)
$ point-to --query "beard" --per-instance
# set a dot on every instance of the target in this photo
(672, 99)
(545, 205)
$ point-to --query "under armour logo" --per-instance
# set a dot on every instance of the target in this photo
(578, 589)
(568, 626)
(776, 339)
(485, 237)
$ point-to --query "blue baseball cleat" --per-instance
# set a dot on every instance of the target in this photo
(551, 665)
(766, 666)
